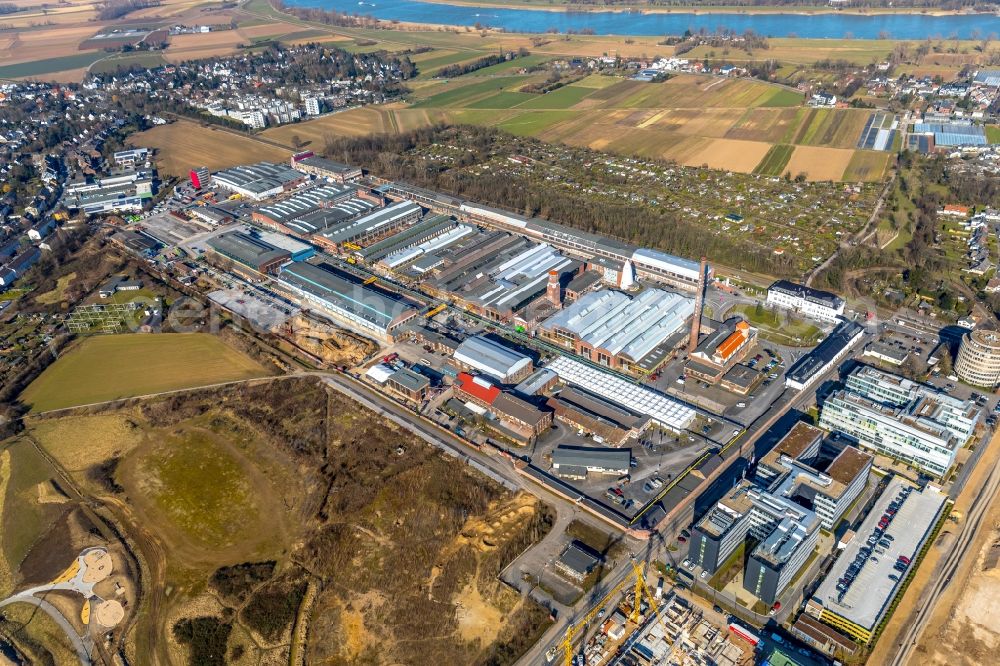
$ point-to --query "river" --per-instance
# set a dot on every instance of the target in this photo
(831, 25)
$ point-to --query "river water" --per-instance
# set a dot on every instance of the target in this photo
(833, 25)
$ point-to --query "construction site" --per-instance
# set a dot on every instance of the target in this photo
(633, 625)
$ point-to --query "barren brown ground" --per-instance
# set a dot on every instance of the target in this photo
(962, 629)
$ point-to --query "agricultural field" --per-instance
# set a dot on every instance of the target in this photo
(57, 43)
(832, 128)
(820, 163)
(867, 165)
(803, 51)
(185, 144)
(729, 124)
(465, 90)
(287, 500)
(775, 161)
(110, 367)
(48, 66)
(355, 122)
(431, 62)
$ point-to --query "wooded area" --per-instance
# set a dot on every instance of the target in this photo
(656, 228)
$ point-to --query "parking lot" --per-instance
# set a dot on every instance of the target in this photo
(657, 456)
(262, 309)
(773, 361)
(871, 569)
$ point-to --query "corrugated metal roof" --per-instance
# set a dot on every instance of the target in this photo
(490, 357)
(622, 324)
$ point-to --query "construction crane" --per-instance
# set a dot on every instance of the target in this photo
(639, 583)
(371, 279)
(431, 313)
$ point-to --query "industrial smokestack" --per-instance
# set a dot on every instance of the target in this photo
(699, 305)
(554, 290)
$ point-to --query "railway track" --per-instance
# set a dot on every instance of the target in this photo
(977, 512)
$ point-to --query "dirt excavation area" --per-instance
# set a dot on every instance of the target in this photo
(962, 628)
(281, 518)
(965, 631)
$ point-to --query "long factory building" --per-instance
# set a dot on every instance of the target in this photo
(619, 330)
(526, 272)
(619, 257)
(376, 312)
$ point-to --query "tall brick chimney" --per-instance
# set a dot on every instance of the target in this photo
(699, 305)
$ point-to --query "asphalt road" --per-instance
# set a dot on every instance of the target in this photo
(78, 646)
(81, 644)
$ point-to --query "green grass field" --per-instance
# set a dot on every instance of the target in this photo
(201, 488)
(775, 161)
(783, 98)
(50, 65)
(504, 100)
(115, 63)
(110, 367)
(24, 519)
(867, 165)
(560, 98)
(993, 133)
(429, 66)
(775, 326)
(534, 122)
(466, 94)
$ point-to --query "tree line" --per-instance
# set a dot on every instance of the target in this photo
(660, 228)
(113, 9)
(458, 69)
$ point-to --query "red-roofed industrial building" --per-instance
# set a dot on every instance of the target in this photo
(476, 390)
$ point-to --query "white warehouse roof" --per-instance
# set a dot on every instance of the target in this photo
(667, 262)
(490, 357)
(665, 411)
(623, 324)
(379, 373)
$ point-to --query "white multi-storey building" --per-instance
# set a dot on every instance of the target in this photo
(254, 119)
(805, 300)
(902, 419)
